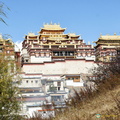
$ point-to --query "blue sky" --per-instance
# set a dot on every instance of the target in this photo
(88, 18)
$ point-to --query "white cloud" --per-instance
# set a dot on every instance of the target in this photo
(18, 45)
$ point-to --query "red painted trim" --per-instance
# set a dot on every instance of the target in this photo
(51, 62)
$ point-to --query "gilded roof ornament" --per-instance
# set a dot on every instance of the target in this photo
(110, 37)
(52, 26)
(73, 35)
(31, 34)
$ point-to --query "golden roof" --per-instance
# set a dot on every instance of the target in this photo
(31, 34)
(110, 37)
(73, 35)
(52, 27)
(5, 40)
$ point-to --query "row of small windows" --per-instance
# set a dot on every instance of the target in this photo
(31, 81)
(42, 54)
(105, 54)
(84, 54)
(63, 53)
(110, 59)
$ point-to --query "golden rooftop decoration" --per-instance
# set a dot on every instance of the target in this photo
(52, 27)
(110, 37)
(73, 34)
(31, 34)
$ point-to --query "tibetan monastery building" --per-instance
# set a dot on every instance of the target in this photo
(107, 48)
(52, 52)
(8, 49)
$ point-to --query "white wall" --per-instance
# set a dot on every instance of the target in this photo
(32, 94)
(64, 67)
(75, 84)
(39, 59)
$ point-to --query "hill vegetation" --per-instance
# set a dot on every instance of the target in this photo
(103, 103)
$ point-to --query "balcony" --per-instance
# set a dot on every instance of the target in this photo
(63, 57)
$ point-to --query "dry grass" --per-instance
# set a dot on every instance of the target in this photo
(37, 116)
(105, 100)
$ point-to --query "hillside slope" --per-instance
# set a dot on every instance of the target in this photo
(102, 104)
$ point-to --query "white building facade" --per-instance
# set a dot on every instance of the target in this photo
(45, 59)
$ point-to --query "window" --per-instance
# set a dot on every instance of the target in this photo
(81, 54)
(112, 58)
(37, 55)
(58, 88)
(26, 60)
(58, 83)
(26, 81)
(114, 53)
(56, 54)
(0, 49)
(50, 82)
(36, 81)
(105, 59)
(104, 54)
(111, 53)
(56, 98)
(63, 53)
(71, 54)
(118, 52)
(76, 80)
(44, 54)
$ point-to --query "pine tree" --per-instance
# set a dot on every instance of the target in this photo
(3, 7)
(9, 105)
